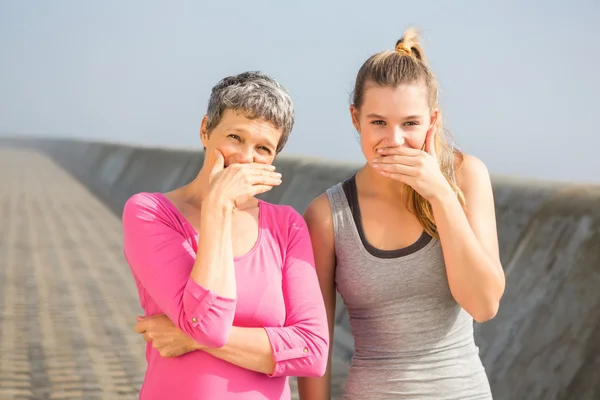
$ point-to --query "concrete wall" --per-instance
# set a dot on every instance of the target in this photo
(544, 342)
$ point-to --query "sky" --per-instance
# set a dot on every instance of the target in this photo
(519, 80)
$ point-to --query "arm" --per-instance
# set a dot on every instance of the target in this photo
(320, 225)
(470, 243)
(200, 303)
(299, 348)
(214, 267)
(248, 348)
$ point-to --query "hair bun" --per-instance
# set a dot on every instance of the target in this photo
(409, 44)
(403, 48)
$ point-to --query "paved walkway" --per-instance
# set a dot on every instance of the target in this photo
(67, 300)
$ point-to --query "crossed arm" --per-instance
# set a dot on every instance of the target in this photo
(159, 257)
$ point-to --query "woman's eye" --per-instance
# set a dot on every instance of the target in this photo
(378, 122)
(234, 136)
(412, 123)
(265, 149)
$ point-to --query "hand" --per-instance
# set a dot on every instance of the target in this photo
(240, 182)
(165, 337)
(414, 167)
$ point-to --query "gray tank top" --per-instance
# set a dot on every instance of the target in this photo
(411, 339)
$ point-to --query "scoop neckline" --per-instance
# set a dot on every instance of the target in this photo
(181, 217)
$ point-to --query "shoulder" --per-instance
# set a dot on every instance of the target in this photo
(282, 216)
(144, 206)
(319, 220)
(472, 174)
(318, 212)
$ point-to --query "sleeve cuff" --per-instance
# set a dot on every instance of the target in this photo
(283, 352)
(203, 301)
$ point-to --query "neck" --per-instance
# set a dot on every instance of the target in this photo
(374, 183)
(195, 191)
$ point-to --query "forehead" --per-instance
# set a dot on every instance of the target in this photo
(255, 128)
(404, 99)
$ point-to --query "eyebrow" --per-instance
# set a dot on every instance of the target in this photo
(377, 116)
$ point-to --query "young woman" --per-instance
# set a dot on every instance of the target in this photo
(228, 282)
(410, 243)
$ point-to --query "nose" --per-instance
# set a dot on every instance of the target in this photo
(397, 137)
(245, 155)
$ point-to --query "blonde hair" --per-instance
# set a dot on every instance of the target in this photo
(406, 65)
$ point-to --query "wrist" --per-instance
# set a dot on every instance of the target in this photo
(215, 204)
(443, 197)
(198, 346)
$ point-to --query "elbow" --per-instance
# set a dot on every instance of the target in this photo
(320, 359)
(215, 341)
(320, 368)
(213, 335)
(315, 360)
(487, 313)
(317, 368)
(208, 321)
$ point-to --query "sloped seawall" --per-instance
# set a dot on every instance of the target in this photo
(543, 344)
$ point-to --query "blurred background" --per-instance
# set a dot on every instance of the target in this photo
(518, 80)
(102, 99)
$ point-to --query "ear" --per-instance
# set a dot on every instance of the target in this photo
(429, 145)
(354, 115)
(434, 118)
(204, 131)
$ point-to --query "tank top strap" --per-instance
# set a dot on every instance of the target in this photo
(343, 220)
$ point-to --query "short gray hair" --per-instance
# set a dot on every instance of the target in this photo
(256, 95)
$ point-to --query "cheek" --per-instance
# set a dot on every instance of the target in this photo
(415, 142)
(264, 159)
(415, 138)
(370, 135)
(368, 142)
(226, 148)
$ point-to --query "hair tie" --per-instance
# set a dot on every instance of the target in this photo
(403, 48)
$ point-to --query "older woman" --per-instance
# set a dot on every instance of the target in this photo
(227, 281)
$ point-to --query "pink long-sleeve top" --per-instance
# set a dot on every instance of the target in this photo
(277, 289)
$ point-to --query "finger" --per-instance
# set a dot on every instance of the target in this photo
(261, 172)
(254, 166)
(401, 151)
(140, 327)
(396, 169)
(266, 179)
(139, 318)
(261, 166)
(430, 141)
(403, 160)
(146, 337)
(258, 189)
(216, 162)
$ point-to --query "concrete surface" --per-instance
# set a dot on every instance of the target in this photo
(540, 346)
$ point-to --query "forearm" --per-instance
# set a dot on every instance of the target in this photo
(319, 388)
(475, 278)
(316, 388)
(214, 266)
(248, 348)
